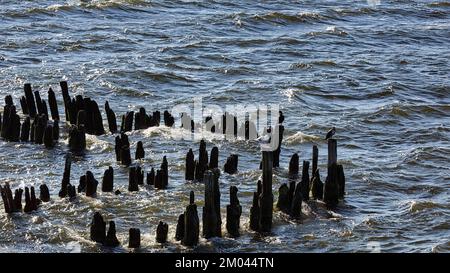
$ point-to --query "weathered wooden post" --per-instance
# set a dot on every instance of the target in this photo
(17, 205)
(161, 232)
(283, 203)
(48, 137)
(276, 154)
(293, 166)
(331, 188)
(132, 181)
(77, 139)
(315, 158)
(8, 201)
(214, 158)
(151, 177)
(135, 238)
(111, 116)
(53, 105)
(66, 176)
(317, 186)
(296, 206)
(255, 209)
(98, 228)
(179, 233)
(231, 165)
(305, 180)
(44, 194)
(140, 153)
(212, 221)
(191, 223)
(265, 200)
(91, 184)
(169, 120)
(111, 238)
(108, 180)
(190, 166)
(234, 211)
(25, 130)
(341, 181)
(30, 100)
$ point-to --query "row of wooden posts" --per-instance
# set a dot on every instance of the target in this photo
(84, 116)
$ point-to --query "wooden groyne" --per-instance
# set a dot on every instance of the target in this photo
(83, 117)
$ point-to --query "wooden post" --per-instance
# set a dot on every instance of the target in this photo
(108, 180)
(190, 166)
(165, 172)
(135, 238)
(214, 158)
(315, 158)
(91, 184)
(111, 116)
(56, 130)
(98, 228)
(179, 233)
(161, 232)
(305, 180)
(341, 181)
(77, 139)
(265, 200)
(111, 238)
(169, 120)
(66, 176)
(331, 188)
(7, 197)
(296, 208)
(139, 175)
(293, 166)
(66, 99)
(17, 205)
(140, 153)
(48, 137)
(132, 182)
(234, 211)
(191, 224)
(317, 186)
(203, 156)
(151, 177)
(44, 194)
(231, 165)
(53, 105)
(30, 100)
(283, 203)
(212, 221)
(25, 131)
(276, 154)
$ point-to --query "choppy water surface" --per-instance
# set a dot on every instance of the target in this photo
(380, 74)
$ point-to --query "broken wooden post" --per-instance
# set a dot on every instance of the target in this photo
(214, 158)
(44, 193)
(169, 120)
(127, 122)
(135, 238)
(161, 232)
(66, 99)
(231, 165)
(331, 188)
(91, 184)
(25, 130)
(341, 181)
(30, 100)
(139, 175)
(276, 154)
(66, 176)
(202, 163)
(132, 181)
(296, 207)
(283, 203)
(305, 180)
(97, 119)
(212, 222)
(179, 233)
(190, 166)
(30, 200)
(111, 238)
(293, 166)
(191, 223)
(234, 211)
(98, 228)
(317, 186)
(255, 208)
(77, 139)
(140, 153)
(111, 116)
(48, 137)
(151, 177)
(108, 180)
(8, 201)
(17, 200)
(123, 149)
(71, 192)
(53, 105)
(315, 158)
(266, 196)
(56, 130)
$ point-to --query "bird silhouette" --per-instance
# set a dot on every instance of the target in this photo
(330, 133)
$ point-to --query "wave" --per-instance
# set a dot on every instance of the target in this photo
(439, 4)
(281, 17)
(300, 137)
(417, 206)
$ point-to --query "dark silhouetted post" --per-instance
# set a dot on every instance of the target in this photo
(161, 232)
(234, 211)
(191, 223)
(212, 221)
(135, 238)
(108, 180)
(98, 228)
(111, 238)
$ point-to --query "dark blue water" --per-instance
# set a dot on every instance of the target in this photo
(378, 72)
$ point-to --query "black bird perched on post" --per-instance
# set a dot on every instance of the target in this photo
(330, 133)
(280, 117)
